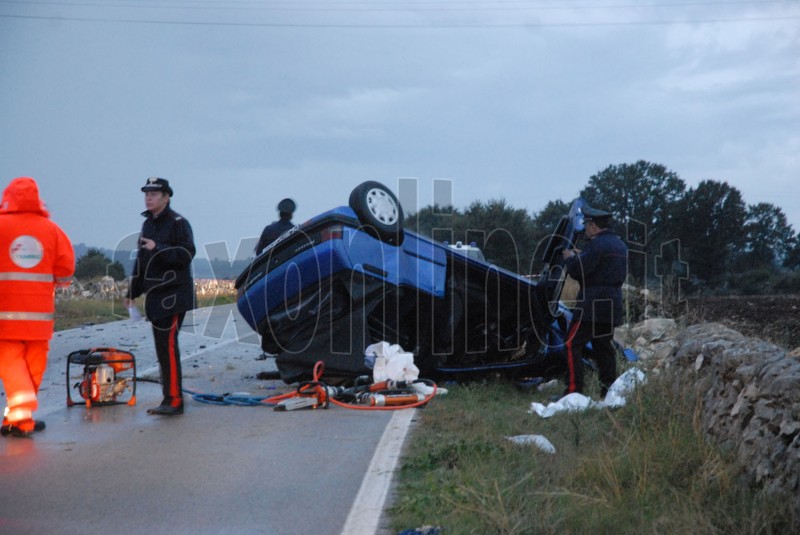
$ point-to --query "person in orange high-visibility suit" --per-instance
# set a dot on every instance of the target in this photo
(35, 257)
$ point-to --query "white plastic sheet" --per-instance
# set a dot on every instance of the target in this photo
(570, 403)
(623, 386)
(615, 398)
(392, 362)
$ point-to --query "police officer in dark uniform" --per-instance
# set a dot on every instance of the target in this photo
(600, 268)
(163, 272)
(271, 232)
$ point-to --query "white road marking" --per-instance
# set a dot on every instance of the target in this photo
(368, 506)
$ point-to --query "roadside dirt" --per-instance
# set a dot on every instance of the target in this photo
(775, 318)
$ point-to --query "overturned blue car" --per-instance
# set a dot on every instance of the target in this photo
(354, 276)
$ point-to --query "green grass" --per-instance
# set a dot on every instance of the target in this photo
(71, 313)
(644, 468)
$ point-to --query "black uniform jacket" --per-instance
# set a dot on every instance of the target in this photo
(600, 269)
(272, 232)
(165, 273)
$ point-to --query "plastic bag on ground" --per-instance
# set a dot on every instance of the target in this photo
(616, 396)
(392, 362)
(570, 403)
(623, 386)
(539, 441)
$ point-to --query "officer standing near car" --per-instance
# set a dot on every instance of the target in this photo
(271, 232)
(163, 272)
(600, 268)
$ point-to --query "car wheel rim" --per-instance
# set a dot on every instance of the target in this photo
(382, 206)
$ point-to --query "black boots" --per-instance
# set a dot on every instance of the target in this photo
(165, 409)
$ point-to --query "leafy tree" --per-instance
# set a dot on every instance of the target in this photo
(792, 260)
(505, 234)
(545, 221)
(711, 228)
(643, 192)
(95, 264)
(436, 221)
(768, 238)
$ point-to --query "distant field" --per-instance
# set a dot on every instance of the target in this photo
(775, 318)
(71, 313)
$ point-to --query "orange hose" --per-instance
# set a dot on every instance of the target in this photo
(322, 395)
(386, 408)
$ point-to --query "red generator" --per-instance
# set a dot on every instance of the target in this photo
(109, 377)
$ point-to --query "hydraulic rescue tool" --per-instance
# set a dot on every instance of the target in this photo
(384, 395)
(107, 374)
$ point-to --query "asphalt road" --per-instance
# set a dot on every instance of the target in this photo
(214, 470)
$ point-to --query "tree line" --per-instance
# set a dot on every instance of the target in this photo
(97, 262)
(707, 235)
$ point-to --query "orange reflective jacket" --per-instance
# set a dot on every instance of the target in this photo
(35, 256)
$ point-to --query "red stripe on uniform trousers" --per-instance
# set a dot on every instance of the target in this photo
(571, 355)
(173, 367)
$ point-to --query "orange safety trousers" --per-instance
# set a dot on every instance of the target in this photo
(22, 366)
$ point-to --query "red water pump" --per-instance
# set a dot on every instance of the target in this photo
(108, 373)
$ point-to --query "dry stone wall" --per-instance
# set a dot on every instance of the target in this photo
(749, 392)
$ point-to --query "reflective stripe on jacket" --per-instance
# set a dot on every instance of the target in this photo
(35, 256)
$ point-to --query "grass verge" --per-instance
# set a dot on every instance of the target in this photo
(644, 468)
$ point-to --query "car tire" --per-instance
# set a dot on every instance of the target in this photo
(379, 211)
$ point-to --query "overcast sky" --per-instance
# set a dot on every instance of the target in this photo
(242, 103)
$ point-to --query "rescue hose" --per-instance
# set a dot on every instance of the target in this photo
(386, 399)
(240, 400)
(227, 399)
(317, 374)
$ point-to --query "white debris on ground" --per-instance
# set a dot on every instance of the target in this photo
(574, 402)
(427, 390)
(393, 363)
(390, 362)
(534, 440)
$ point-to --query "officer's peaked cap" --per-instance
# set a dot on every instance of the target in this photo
(595, 215)
(157, 184)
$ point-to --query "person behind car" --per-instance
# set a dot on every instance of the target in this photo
(35, 257)
(163, 272)
(272, 231)
(600, 268)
